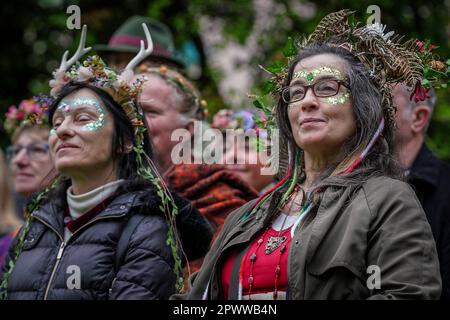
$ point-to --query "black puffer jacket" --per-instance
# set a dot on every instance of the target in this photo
(83, 268)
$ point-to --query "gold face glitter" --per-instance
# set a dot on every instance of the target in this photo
(69, 106)
(310, 76)
(344, 98)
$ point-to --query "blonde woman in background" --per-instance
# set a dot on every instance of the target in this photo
(28, 155)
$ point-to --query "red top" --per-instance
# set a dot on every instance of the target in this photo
(264, 265)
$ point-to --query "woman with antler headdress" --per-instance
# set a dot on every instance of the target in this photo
(107, 228)
(339, 224)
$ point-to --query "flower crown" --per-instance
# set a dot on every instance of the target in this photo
(389, 60)
(230, 119)
(31, 112)
(178, 80)
(242, 121)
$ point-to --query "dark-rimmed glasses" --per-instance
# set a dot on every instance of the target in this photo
(321, 89)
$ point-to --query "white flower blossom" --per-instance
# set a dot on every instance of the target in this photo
(58, 82)
(84, 74)
(126, 76)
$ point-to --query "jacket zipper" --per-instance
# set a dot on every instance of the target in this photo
(58, 258)
(63, 245)
(299, 228)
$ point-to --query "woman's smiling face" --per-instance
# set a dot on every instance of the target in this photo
(321, 124)
(81, 138)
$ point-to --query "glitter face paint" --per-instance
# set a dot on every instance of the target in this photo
(310, 77)
(339, 98)
(69, 106)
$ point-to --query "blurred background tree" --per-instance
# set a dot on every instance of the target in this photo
(225, 41)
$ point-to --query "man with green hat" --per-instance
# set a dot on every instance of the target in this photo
(125, 43)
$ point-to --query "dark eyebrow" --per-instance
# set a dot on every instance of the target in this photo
(327, 77)
(321, 77)
(297, 81)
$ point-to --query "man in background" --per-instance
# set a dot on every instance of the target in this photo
(429, 176)
(124, 44)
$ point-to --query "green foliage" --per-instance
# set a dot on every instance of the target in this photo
(276, 67)
(268, 86)
(290, 49)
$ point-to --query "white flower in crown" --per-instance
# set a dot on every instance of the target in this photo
(84, 74)
(57, 83)
(378, 29)
(125, 78)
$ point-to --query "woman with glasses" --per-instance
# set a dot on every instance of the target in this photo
(340, 224)
(29, 157)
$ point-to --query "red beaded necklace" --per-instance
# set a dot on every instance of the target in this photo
(253, 257)
(271, 245)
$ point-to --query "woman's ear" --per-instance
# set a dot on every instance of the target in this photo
(420, 118)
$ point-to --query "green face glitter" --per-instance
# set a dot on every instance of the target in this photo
(310, 76)
(69, 106)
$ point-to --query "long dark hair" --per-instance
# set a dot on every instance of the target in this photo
(368, 112)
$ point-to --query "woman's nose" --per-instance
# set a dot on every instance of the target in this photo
(310, 101)
(21, 158)
(64, 129)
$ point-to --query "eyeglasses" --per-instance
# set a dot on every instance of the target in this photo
(35, 151)
(321, 89)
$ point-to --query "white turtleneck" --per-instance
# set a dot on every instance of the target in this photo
(82, 203)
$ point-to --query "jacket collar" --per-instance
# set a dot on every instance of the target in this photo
(425, 167)
(51, 213)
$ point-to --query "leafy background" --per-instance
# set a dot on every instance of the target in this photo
(231, 37)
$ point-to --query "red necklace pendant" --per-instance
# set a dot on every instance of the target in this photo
(273, 243)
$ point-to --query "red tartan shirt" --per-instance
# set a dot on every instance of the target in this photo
(212, 189)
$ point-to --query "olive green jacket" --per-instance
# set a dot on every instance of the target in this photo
(356, 236)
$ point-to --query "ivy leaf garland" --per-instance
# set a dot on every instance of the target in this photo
(167, 206)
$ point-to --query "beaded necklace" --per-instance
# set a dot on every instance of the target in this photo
(271, 245)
